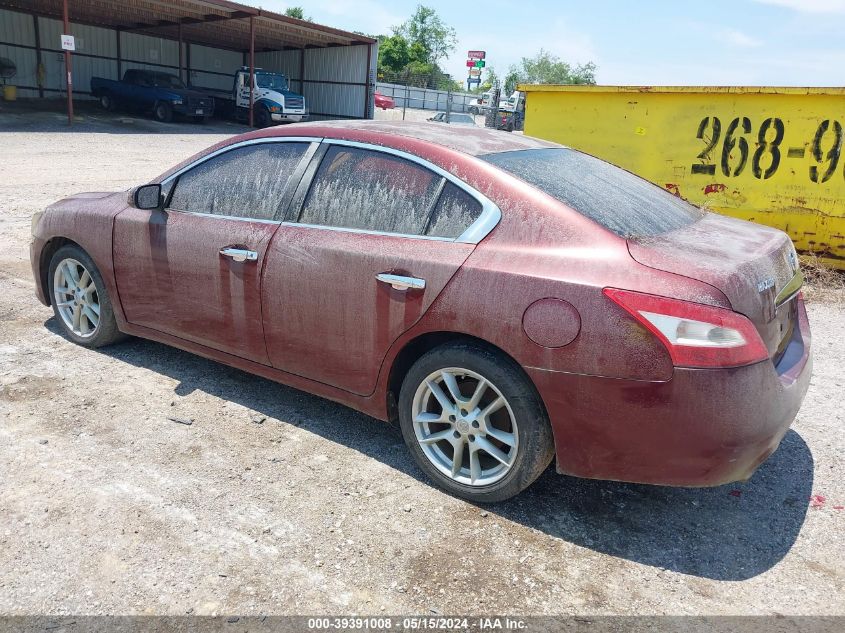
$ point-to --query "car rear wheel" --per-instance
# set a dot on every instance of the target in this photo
(474, 422)
(163, 112)
(80, 302)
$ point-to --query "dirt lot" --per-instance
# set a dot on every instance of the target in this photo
(275, 501)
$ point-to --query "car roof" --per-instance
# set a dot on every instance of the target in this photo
(474, 141)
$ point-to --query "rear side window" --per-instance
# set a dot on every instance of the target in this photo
(454, 212)
(370, 190)
(618, 200)
(246, 182)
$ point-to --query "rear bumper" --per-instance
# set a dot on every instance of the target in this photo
(704, 427)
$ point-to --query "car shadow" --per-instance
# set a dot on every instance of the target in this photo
(732, 532)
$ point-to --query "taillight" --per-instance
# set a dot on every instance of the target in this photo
(695, 334)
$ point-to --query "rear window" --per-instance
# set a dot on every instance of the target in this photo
(618, 200)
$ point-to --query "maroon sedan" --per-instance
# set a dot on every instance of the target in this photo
(507, 300)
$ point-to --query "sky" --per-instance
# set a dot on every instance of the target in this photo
(635, 42)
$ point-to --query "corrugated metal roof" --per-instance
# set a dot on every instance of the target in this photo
(212, 22)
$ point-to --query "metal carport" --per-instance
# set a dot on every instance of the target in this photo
(204, 41)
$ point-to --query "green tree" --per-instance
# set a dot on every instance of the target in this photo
(426, 31)
(393, 54)
(296, 12)
(546, 68)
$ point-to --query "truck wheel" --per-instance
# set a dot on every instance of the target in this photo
(262, 117)
(107, 102)
(473, 110)
(162, 111)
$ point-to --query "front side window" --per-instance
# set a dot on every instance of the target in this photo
(246, 182)
(370, 190)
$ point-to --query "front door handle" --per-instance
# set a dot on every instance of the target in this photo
(398, 282)
(239, 254)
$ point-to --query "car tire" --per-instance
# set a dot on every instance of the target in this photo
(262, 117)
(64, 262)
(107, 102)
(518, 430)
(163, 112)
(473, 110)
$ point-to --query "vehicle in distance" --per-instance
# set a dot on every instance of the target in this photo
(163, 94)
(274, 101)
(506, 299)
(384, 102)
(455, 118)
(481, 103)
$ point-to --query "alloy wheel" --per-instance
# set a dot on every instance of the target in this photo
(77, 301)
(465, 426)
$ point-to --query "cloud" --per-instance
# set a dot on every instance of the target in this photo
(809, 6)
(738, 38)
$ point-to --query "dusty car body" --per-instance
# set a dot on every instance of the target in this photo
(549, 288)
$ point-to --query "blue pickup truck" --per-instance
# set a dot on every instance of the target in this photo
(163, 94)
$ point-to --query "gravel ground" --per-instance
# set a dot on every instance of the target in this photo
(277, 502)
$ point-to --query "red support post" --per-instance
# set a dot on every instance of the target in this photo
(68, 66)
(251, 69)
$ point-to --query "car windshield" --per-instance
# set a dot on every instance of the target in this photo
(270, 81)
(163, 80)
(617, 199)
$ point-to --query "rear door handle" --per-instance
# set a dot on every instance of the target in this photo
(239, 254)
(401, 283)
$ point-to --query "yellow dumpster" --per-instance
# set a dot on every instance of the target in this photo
(770, 155)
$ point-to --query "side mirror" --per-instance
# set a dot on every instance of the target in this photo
(147, 197)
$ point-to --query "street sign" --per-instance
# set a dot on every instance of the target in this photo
(470, 63)
(68, 43)
(480, 63)
(477, 54)
(475, 72)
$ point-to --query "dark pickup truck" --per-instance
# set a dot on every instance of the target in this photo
(163, 94)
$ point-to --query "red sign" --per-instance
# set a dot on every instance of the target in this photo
(470, 63)
(477, 54)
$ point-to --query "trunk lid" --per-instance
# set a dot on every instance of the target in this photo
(754, 266)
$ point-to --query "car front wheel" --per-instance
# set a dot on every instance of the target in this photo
(80, 301)
(474, 422)
(107, 103)
(163, 112)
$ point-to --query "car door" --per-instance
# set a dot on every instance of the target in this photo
(193, 269)
(373, 237)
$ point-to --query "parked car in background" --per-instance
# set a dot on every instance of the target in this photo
(456, 118)
(384, 102)
(274, 101)
(506, 299)
(163, 94)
